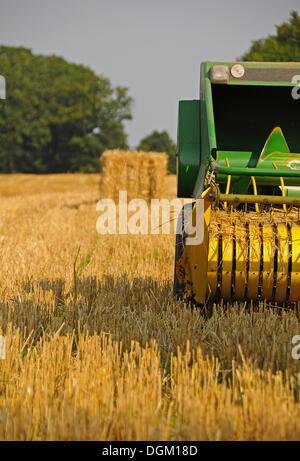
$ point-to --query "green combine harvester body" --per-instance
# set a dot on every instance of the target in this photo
(227, 128)
(239, 151)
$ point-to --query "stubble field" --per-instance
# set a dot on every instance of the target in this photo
(98, 349)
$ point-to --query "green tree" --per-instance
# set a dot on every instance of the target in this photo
(160, 142)
(284, 46)
(58, 116)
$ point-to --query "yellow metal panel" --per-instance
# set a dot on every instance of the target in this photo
(227, 257)
(254, 261)
(295, 275)
(241, 263)
(268, 262)
(193, 264)
(283, 264)
(212, 274)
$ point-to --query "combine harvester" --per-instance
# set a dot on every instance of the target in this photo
(239, 150)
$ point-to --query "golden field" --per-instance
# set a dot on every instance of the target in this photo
(98, 349)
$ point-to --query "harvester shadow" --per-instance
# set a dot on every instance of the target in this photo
(91, 295)
(47, 306)
(109, 290)
(143, 309)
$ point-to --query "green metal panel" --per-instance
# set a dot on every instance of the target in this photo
(209, 114)
(292, 191)
(262, 173)
(235, 121)
(276, 142)
(236, 158)
(188, 159)
(246, 83)
(275, 161)
(208, 136)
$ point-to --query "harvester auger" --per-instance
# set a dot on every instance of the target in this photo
(239, 151)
